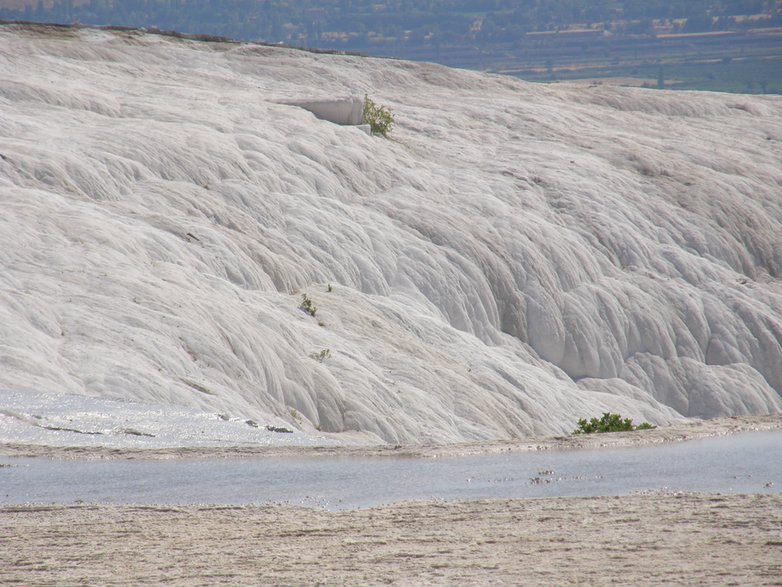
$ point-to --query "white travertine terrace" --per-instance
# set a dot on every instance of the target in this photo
(514, 257)
(346, 111)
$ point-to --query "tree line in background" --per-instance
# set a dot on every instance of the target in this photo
(355, 24)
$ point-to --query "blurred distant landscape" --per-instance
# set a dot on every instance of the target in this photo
(730, 45)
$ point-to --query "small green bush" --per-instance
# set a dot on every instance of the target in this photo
(609, 423)
(307, 305)
(379, 118)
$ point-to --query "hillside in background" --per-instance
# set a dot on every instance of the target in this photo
(731, 45)
(514, 257)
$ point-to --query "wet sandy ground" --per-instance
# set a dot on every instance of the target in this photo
(649, 539)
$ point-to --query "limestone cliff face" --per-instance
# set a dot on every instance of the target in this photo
(514, 257)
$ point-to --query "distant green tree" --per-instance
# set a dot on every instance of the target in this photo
(698, 23)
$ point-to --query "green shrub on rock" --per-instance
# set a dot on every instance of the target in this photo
(379, 118)
(307, 305)
(609, 423)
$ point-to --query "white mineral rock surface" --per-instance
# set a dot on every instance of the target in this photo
(514, 257)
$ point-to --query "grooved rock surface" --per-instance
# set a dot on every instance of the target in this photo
(515, 257)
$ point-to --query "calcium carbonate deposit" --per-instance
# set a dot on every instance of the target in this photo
(203, 226)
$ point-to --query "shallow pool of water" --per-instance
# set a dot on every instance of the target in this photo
(742, 463)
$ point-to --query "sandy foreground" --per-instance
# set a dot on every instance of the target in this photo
(633, 540)
(649, 538)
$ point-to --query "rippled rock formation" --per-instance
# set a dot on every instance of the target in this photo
(514, 257)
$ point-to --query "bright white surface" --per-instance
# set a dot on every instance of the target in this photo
(517, 257)
(347, 111)
(46, 419)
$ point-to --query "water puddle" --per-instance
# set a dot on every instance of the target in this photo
(742, 463)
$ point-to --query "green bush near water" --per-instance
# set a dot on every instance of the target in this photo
(609, 423)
